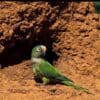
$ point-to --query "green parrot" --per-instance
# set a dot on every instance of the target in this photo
(46, 72)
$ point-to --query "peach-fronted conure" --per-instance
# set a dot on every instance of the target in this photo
(46, 72)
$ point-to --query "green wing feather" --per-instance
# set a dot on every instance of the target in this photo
(50, 71)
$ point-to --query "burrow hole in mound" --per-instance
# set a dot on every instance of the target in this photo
(22, 51)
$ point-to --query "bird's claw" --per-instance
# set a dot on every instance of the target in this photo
(39, 84)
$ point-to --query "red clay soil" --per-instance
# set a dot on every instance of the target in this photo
(75, 39)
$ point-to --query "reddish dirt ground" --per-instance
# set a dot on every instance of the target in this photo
(16, 82)
(77, 44)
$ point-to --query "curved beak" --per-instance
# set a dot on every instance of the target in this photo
(44, 48)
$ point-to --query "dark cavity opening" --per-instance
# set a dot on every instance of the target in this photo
(22, 51)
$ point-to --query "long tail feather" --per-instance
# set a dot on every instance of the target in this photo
(77, 87)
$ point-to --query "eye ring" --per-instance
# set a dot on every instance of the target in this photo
(38, 49)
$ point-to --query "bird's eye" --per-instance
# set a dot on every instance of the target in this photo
(38, 49)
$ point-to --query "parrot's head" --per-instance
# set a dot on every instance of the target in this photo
(38, 51)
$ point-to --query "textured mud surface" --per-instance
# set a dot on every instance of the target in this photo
(71, 30)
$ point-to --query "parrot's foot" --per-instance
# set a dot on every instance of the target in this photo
(38, 84)
(45, 80)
